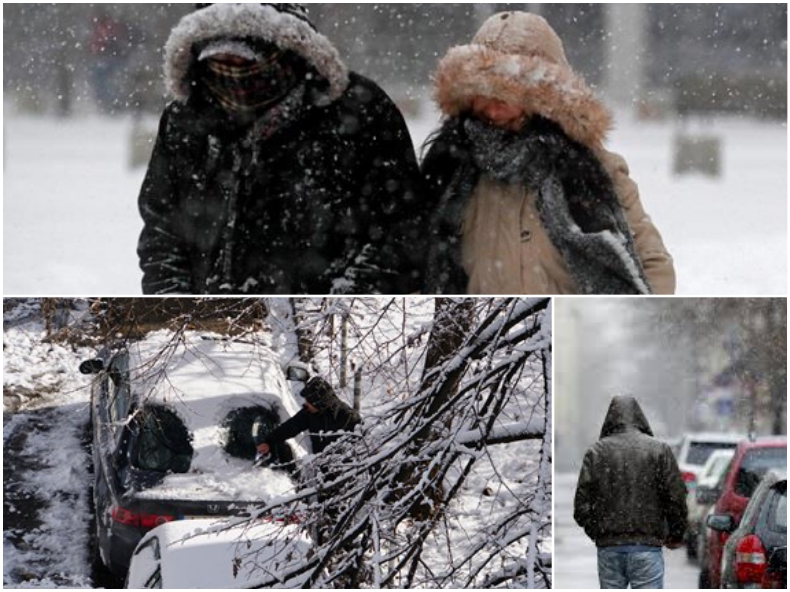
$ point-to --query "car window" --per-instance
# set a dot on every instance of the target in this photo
(777, 520)
(239, 439)
(699, 452)
(163, 443)
(118, 389)
(755, 464)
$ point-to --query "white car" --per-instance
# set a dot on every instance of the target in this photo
(695, 449)
(210, 554)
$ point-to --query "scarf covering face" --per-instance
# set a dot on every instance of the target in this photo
(576, 200)
(249, 89)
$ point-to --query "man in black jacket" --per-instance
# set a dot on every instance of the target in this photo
(276, 170)
(324, 416)
(630, 499)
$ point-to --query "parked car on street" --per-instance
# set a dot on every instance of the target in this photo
(752, 460)
(172, 419)
(211, 554)
(701, 499)
(761, 532)
(695, 449)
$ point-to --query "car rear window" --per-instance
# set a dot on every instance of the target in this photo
(755, 464)
(239, 439)
(164, 443)
(777, 521)
(699, 452)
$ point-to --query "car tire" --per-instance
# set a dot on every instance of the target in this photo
(704, 580)
(691, 550)
(101, 575)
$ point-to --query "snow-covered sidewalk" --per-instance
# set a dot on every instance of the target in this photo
(46, 466)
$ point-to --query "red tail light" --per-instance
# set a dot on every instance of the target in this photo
(144, 521)
(750, 560)
(690, 479)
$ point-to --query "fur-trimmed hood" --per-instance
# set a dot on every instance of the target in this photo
(518, 58)
(256, 21)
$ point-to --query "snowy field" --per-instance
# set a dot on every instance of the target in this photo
(71, 222)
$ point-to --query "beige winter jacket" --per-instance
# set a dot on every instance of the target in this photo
(518, 58)
(506, 250)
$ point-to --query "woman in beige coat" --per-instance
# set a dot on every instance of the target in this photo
(529, 201)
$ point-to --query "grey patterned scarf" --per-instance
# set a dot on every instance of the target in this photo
(577, 202)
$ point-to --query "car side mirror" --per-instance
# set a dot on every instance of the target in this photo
(92, 366)
(778, 560)
(721, 522)
(298, 374)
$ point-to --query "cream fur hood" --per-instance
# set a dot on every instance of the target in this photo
(257, 21)
(518, 58)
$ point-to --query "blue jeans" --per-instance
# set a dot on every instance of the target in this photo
(639, 569)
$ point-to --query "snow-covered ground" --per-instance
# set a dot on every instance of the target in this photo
(71, 223)
(46, 468)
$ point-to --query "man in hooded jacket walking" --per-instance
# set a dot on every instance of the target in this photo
(630, 499)
(276, 170)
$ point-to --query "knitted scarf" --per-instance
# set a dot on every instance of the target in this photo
(576, 200)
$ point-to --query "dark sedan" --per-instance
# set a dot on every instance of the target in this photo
(173, 435)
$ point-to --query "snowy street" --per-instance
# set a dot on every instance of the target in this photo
(71, 222)
(575, 563)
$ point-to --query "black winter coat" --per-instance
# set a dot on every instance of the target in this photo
(332, 206)
(630, 491)
(324, 428)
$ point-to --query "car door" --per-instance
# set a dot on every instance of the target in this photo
(110, 408)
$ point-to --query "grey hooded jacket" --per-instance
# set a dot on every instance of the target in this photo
(630, 491)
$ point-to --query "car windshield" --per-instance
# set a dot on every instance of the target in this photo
(244, 428)
(755, 464)
(163, 444)
(699, 452)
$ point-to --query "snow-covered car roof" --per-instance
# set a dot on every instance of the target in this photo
(201, 373)
(714, 437)
(192, 554)
(202, 378)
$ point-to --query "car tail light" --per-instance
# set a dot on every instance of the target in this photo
(750, 560)
(144, 521)
(690, 479)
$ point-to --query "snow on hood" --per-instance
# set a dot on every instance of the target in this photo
(256, 21)
(201, 378)
(624, 415)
